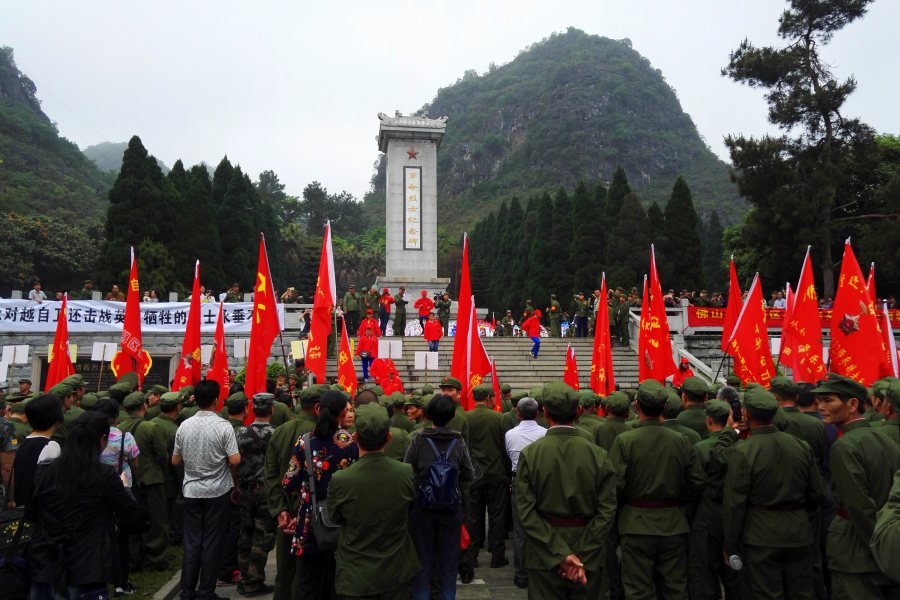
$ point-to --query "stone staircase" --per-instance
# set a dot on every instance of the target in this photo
(514, 364)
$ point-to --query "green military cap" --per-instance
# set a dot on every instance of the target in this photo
(427, 389)
(652, 393)
(732, 379)
(377, 390)
(553, 296)
(28, 381)
(88, 282)
(133, 400)
(312, 394)
(120, 387)
(186, 392)
(169, 400)
(505, 388)
(19, 407)
(61, 390)
(76, 381)
(336, 387)
(838, 384)
(451, 382)
(759, 402)
(528, 302)
(673, 405)
(263, 401)
(718, 409)
(703, 292)
(372, 422)
(560, 398)
(694, 385)
(603, 402)
(536, 392)
(89, 400)
(618, 402)
(891, 393)
(784, 386)
(236, 401)
(415, 401)
(130, 379)
(103, 394)
(365, 288)
(879, 388)
(482, 392)
(159, 390)
(713, 390)
(351, 287)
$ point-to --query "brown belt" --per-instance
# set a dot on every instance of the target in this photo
(843, 514)
(778, 507)
(652, 503)
(250, 486)
(575, 522)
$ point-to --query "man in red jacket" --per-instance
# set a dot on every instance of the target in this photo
(532, 328)
(367, 350)
(392, 382)
(370, 323)
(425, 306)
(384, 308)
(433, 333)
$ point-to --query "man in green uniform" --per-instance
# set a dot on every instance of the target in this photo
(400, 313)
(236, 404)
(587, 401)
(86, 293)
(20, 420)
(489, 493)
(703, 300)
(363, 307)
(886, 537)
(657, 473)
(888, 391)
(414, 406)
(772, 481)
(582, 309)
(443, 309)
(862, 469)
(621, 320)
(234, 293)
(351, 309)
(153, 396)
(173, 477)
(693, 394)
(529, 309)
(505, 398)
(509, 324)
(188, 407)
(452, 387)
(282, 505)
(564, 554)
(257, 533)
(399, 418)
(554, 313)
(64, 392)
(807, 428)
(707, 572)
(670, 414)
(399, 442)
(148, 550)
(373, 520)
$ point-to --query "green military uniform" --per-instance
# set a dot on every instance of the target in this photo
(233, 296)
(707, 572)
(278, 457)
(148, 550)
(402, 421)
(86, 293)
(582, 311)
(771, 482)
(281, 414)
(565, 496)
(64, 390)
(590, 425)
(235, 405)
(529, 309)
(351, 310)
(443, 310)
(363, 307)
(458, 422)
(862, 464)
(671, 412)
(806, 427)
(257, 531)
(396, 448)
(23, 430)
(173, 477)
(554, 313)
(400, 313)
(370, 521)
(509, 325)
(886, 537)
(693, 416)
(155, 410)
(489, 493)
(621, 320)
(703, 300)
(657, 473)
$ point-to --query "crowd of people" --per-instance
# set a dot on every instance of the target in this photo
(658, 492)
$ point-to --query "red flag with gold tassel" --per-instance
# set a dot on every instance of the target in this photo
(478, 364)
(323, 309)
(803, 345)
(132, 346)
(264, 328)
(734, 306)
(462, 341)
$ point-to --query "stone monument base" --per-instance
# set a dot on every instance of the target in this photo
(413, 285)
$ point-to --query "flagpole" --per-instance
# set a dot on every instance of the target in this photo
(284, 359)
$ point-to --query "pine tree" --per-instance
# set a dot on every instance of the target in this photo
(240, 244)
(197, 236)
(478, 279)
(588, 239)
(508, 257)
(514, 295)
(541, 257)
(265, 221)
(560, 237)
(628, 250)
(656, 222)
(683, 249)
(179, 178)
(221, 179)
(499, 226)
(714, 268)
(618, 189)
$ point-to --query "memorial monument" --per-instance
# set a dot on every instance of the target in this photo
(410, 145)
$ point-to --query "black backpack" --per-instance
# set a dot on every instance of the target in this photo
(439, 490)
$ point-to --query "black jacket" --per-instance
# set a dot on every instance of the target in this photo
(73, 541)
(420, 455)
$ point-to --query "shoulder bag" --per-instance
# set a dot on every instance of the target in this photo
(324, 529)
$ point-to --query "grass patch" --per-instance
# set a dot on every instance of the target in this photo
(148, 584)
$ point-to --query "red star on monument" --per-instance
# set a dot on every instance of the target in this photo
(413, 155)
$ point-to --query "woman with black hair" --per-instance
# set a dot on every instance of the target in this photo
(332, 449)
(76, 498)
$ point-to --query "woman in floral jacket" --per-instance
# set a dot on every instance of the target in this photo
(332, 449)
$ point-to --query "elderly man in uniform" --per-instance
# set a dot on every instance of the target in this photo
(400, 312)
(443, 307)
(693, 394)
(554, 313)
(509, 324)
(351, 309)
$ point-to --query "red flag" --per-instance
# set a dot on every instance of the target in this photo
(786, 358)
(655, 346)
(495, 383)
(190, 366)
(857, 349)
(870, 283)
(219, 370)
(733, 308)
(749, 344)
(346, 369)
(323, 308)
(570, 377)
(264, 327)
(603, 381)
(892, 368)
(478, 364)
(132, 346)
(802, 342)
(461, 342)
(60, 360)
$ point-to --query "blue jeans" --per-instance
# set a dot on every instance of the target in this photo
(537, 346)
(433, 346)
(365, 364)
(435, 535)
(383, 319)
(581, 327)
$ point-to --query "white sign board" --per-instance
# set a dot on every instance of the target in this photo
(298, 349)
(103, 351)
(206, 353)
(241, 348)
(426, 361)
(15, 355)
(4, 371)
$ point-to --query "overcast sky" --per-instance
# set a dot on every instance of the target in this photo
(296, 86)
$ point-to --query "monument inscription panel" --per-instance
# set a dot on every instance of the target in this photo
(412, 177)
